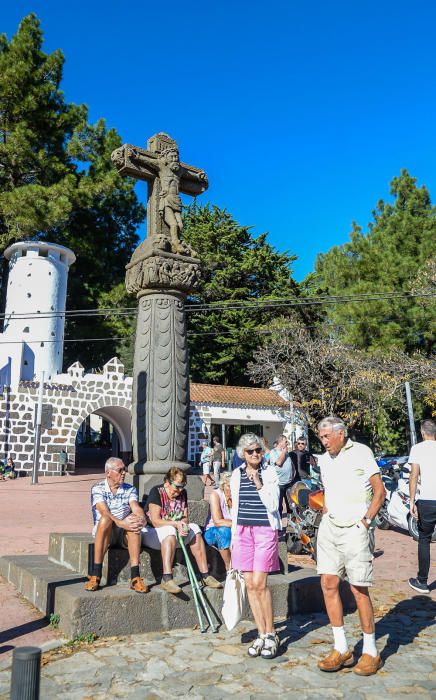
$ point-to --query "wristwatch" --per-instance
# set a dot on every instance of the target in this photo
(366, 520)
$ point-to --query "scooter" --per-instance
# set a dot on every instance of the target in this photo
(306, 500)
(396, 509)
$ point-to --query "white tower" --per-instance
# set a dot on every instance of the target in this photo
(33, 336)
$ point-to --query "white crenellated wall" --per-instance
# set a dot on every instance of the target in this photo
(34, 317)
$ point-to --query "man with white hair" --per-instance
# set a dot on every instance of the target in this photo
(118, 521)
(354, 493)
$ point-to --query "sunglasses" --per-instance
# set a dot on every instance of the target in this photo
(119, 471)
(177, 486)
(257, 450)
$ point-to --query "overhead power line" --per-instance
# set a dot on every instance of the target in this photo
(228, 306)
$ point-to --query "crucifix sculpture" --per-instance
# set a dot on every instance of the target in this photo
(163, 269)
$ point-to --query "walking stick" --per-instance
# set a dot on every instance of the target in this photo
(196, 589)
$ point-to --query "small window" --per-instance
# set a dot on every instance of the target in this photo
(28, 295)
(26, 329)
(42, 345)
(29, 274)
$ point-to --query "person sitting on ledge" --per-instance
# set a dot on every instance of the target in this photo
(118, 521)
(218, 527)
(167, 512)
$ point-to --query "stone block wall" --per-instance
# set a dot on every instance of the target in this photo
(73, 396)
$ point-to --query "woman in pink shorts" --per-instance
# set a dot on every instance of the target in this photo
(255, 526)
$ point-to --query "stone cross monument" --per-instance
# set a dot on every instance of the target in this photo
(162, 271)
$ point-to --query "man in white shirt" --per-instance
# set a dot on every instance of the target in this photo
(353, 495)
(423, 460)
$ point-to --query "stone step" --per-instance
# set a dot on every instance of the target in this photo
(116, 610)
(71, 550)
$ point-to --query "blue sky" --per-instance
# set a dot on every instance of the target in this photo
(300, 112)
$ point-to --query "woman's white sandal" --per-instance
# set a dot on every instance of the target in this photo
(255, 649)
(270, 646)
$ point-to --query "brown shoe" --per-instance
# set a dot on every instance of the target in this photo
(334, 661)
(211, 582)
(170, 586)
(93, 583)
(368, 665)
(138, 585)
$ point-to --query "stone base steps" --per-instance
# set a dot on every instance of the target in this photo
(116, 610)
(71, 550)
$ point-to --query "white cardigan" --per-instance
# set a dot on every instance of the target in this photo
(269, 494)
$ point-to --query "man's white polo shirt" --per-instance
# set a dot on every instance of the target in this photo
(346, 482)
(424, 454)
(118, 503)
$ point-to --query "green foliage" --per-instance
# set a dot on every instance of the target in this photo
(82, 639)
(57, 182)
(238, 267)
(389, 258)
(55, 619)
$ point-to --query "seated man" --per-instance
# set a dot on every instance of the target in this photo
(167, 511)
(118, 520)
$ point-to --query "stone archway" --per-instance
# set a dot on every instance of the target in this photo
(113, 410)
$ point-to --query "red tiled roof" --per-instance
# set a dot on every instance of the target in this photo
(236, 396)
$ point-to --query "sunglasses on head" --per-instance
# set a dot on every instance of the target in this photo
(257, 450)
(177, 486)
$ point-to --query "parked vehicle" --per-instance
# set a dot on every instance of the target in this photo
(396, 509)
(306, 499)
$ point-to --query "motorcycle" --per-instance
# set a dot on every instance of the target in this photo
(306, 501)
(396, 509)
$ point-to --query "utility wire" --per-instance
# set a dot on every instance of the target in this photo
(227, 306)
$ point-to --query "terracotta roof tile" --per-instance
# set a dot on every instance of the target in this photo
(236, 396)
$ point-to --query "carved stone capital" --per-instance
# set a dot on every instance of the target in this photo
(156, 269)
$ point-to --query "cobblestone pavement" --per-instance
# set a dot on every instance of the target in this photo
(188, 664)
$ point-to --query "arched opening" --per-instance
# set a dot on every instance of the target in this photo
(104, 433)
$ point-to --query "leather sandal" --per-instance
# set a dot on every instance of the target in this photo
(93, 583)
(138, 585)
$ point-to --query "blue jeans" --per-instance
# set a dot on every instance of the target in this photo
(219, 537)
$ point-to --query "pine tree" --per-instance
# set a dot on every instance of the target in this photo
(238, 267)
(57, 183)
(388, 259)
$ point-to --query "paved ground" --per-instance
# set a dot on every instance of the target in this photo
(186, 663)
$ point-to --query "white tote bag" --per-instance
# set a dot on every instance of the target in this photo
(233, 598)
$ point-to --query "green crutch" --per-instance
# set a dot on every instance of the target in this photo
(196, 590)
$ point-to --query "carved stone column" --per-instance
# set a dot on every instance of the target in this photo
(160, 401)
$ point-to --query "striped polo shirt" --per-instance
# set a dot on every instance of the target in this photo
(251, 511)
(118, 503)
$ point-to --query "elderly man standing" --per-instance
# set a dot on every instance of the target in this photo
(354, 493)
(118, 520)
(423, 460)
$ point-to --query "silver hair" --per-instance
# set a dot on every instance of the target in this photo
(245, 441)
(112, 463)
(428, 427)
(224, 479)
(334, 423)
